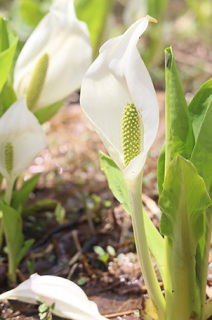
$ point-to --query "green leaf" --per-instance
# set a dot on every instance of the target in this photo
(104, 258)
(31, 12)
(99, 251)
(179, 132)
(7, 96)
(47, 113)
(60, 213)
(200, 110)
(161, 169)
(42, 315)
(14, 237)
(118, 187)
(43, 308)
(26, 245)
(95, 14)
(115, 180)
(183, 201)
(8, 43)
(111, 251)
(21, 196)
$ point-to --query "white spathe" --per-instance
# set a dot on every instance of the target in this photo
(70, 300)
(20, 127)
(118, 77)
(66, 41)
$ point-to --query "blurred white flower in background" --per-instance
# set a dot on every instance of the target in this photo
(54, 59)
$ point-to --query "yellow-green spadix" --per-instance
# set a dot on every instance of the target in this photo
(116, 79)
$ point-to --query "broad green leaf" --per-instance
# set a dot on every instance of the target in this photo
(118, 187)
(95, 14)
(7, 96)
(200, 110)
(161, 169)
(183, 201)
(179, 133)
(21, 196)
(14, 237)
(8, 43)
(47, 113)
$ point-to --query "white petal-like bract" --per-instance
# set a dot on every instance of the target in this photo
(116, 78)
(70, 300)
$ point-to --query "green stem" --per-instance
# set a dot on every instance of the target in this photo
(7, 198)
(147, 269)
(204, 264)
(11, 261)
(9, 191)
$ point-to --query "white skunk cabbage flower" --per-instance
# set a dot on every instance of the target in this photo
(70, 300)
(54, 59)
(21, 139)
(118, 97)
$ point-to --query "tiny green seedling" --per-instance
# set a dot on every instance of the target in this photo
(45, 312)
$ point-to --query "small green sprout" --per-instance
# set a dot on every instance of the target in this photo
(45, 312)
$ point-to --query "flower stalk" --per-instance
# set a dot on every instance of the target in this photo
(147, 269)
(133, 145)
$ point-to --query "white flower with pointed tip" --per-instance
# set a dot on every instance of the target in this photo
(118, 97)
(118, 77)
(70, 300)
(21, 139)
(60, 50)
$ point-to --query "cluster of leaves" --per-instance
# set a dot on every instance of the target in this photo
(184, 184)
